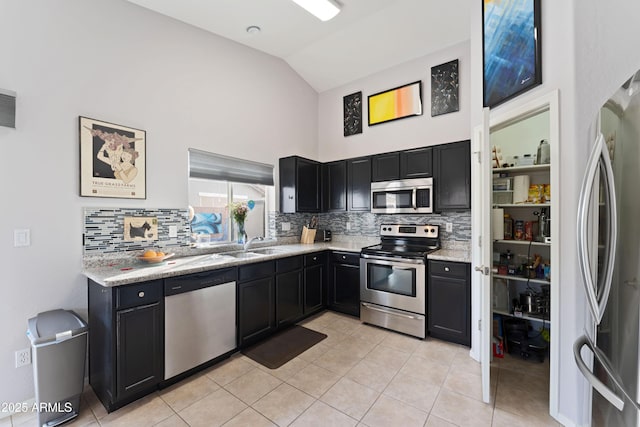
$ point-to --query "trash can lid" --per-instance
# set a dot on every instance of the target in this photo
(49, 325)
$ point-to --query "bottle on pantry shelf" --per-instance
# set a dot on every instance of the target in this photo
(508, 227)
(518, 230)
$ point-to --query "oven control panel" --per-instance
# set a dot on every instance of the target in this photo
(409, 230)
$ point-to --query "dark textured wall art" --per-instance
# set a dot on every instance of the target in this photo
(444, 88)
(352, 112)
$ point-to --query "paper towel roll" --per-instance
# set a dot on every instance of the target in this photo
(520, 188)
(497, 223)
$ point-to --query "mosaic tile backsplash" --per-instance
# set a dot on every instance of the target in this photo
(368, 224)
(104, 227)
(104, 230)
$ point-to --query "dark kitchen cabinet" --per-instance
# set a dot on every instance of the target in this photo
(289, 291)
(299, 185)
(452, 176)
(334, 186)
(344, 283)
(416, 163)
(126, 341)
(256, 302)
(359, 184)
(449, 301)
(314, 282)
(385, 167)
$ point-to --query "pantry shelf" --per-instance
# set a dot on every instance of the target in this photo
(532, 168)
(523, 205)
(523, 316)
(521, 279)
(522, 242)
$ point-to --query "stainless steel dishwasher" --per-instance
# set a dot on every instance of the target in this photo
(200, 319)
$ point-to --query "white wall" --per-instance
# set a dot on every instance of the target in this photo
(558, 72)
(113, 61)
(411, 132)
(589, 50)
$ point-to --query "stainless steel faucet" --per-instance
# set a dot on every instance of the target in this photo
(248, 242)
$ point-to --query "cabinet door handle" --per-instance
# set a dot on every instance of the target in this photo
(141, 294)
(315, 258)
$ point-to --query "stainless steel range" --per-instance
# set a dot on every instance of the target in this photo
(393, 278)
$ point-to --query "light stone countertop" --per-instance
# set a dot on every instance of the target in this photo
(453, 251)
(124, 271)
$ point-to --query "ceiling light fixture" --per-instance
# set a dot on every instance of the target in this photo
(321, 9)
(253, 29)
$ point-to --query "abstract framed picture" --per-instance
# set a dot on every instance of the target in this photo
(394, 104)
(511, 49)
(444, 88)
(112, 160)
(352, 113)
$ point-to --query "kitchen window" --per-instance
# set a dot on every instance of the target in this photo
(214, 182)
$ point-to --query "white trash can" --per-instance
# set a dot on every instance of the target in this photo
(59, 346)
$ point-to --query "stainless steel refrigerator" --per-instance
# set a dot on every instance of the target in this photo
(609, 252)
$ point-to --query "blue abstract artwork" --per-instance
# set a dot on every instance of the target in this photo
(209, 223)
(511, 49)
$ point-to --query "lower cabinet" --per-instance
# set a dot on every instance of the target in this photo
(344, 283)
(289, 292)
(256, 302)
(126, 341)
(314, 282)
(449, 301)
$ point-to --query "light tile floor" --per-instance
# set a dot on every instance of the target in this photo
(359, 376)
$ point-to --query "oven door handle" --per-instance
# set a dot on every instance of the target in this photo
(395, 313)
(393, 261)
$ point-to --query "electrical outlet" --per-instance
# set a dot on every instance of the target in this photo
(173, 231)
(286, 226)
(348, 225)
(23, 357)
(449, 227)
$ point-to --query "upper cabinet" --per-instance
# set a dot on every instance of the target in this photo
(385, 167)
(452, 176)
(359, 184)
(416, 163)
(334, 186)
(299, 185)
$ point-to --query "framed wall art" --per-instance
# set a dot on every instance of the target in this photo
(397, 103)
(112, 160)
(444, 88)
(511, 49)
(352, 113)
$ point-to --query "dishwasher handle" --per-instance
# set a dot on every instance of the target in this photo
(193, 282)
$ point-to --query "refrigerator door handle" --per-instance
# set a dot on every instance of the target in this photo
(605, 391)
(599, 155)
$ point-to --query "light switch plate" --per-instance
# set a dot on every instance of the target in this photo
(286, 226)
(173, 231)
(449, 227)
(21, 237)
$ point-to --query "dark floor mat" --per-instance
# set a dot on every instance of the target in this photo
(284, 346)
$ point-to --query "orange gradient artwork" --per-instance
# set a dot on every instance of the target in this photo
(404, 101)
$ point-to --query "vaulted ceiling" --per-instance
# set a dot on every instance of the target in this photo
(366, 37)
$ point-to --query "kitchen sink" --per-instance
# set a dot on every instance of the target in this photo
(268, 251)
(244, 255)
(210, 259)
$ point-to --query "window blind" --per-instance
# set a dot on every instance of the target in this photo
(206, 165)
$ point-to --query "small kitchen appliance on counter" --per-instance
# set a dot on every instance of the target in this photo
(323, 235)
(393, 278)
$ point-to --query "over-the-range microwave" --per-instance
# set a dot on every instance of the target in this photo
(402, 196)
